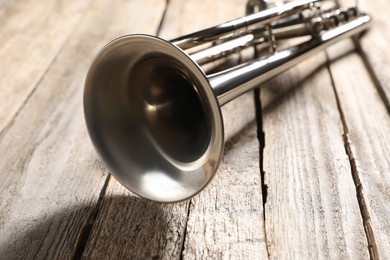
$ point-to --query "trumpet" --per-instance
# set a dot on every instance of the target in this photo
(154, 115)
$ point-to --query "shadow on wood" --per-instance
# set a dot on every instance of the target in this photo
(277, 90)
(132, 227)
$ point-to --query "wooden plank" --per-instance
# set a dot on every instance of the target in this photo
(51, 177)
(226, 219)
(374, 45)
(367, 127)
(31, 36)
(223, 222)
(311, 209)
(135, 228)
(131, 227)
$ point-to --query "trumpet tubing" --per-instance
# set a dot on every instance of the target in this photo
(154, 116)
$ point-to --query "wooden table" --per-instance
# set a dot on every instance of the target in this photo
(320, 190)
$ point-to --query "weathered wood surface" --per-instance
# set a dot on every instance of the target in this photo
(31, 35)
(367, 132)
(51, 176)
(311, 209)
(326, 158)
(374, 46)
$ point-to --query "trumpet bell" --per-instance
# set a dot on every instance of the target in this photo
(153, 118)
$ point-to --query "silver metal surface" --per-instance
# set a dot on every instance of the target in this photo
(242, 25)
(154, 116)
(234, 82)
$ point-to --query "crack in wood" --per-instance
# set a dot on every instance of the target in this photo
(161, 24)
(373, 249)
(158, 31)
(86, 231)
(185, 230)
(261, 140)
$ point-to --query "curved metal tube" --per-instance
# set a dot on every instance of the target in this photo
(242, 25)
(232, 83)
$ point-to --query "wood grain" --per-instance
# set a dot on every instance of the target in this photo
(375, 46)
(31, 35)
(142, 229)
(326, 159)
(311, 209)
(129, 227)
(226, 219)
(51, 177)
(367, 125)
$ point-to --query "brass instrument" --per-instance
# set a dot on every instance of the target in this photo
(153, 114)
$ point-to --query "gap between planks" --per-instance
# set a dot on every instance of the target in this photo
(86, 232)
(329, 195)
(261, 143)
(366, 117)
(373, 249)
(101, 234)
(87, 229)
